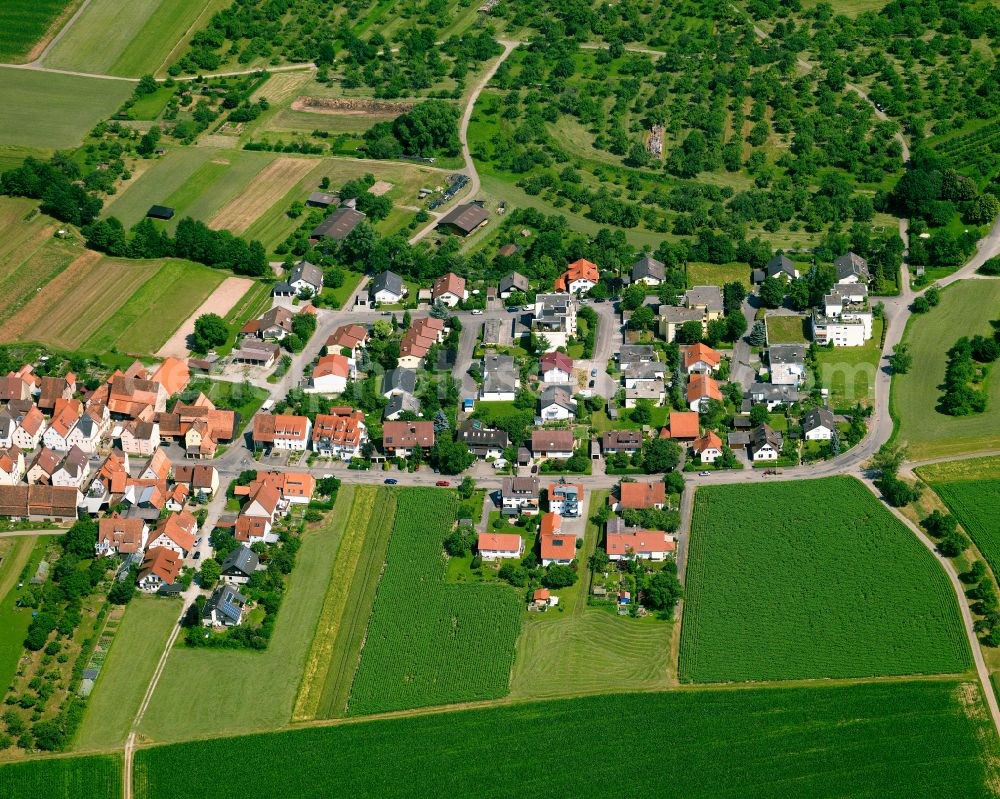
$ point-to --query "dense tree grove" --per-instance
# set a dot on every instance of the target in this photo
(430, 129)
(193, 240)
(54, 183)
(333, 35)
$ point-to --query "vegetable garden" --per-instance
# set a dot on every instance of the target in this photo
(812, 579)
(894, 739)
(430, 643)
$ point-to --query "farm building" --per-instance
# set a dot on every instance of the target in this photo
(160, 212)
(464, 219)
(322, 199)
(338, 225)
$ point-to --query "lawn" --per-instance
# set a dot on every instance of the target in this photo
(97, 777)
(25, 22)
(336, 647)
(700, 274)
(243, 398)
(14, 621)
(428, 642)
(966, 309)
(884, 740)
(126, 672)
(787, 329)
(44, 110)
(342, 293)
(777, 591)
(129, 40)
(224, 692)
(591, 652)
(151, 315)
(162, 180)
(849, 372)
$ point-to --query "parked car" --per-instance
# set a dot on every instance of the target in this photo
(477, 311)
(704, 474)
(197, 542)
(197, 555)
(513, 309)
(591, 385)
(442, 483)
(390, 481)
(593, 373)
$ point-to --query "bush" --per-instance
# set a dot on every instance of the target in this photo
(559, 576)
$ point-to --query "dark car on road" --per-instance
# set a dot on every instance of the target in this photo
(390, 481)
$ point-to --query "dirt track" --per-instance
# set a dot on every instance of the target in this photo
(270, 185)
(349, 105)
(221, 301)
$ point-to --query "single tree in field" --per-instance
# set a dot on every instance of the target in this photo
(210, 330)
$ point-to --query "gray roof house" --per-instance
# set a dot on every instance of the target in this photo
(634, 354)
(399, 404)
(239, 565)
(851, 267)
(482, 441)
(399, 381)
(707, 297)
(786, 353)
(648, 270)
(782, 265)
(500, 378)
(764, 439)
(224, 608)
(817, 419)
(512, 282)
(386, 287)
(306, 275)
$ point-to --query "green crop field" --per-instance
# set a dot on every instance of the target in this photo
(591, 652)
(899, 739)
(976, 505)
(126, 672)
(336, 648)
(225, 692)
(128, 40)
(24, 22)
(63, 778)
(49, 111)
(812, 579)
(966, 309)
(430, 643)
(157, 308)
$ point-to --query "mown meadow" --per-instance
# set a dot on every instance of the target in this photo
(899, 739)
(812, 579)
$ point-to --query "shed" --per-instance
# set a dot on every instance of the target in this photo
(160, 212)
(465, 218)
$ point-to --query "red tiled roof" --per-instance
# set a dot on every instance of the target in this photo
(164, 563)
(703, 386)
(499, 542)
(580, 269)
(640, 542)
(449, 283)
(642, 495)
(683, 424)
(693, 353)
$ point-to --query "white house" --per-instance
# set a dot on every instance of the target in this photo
(449, 289)
(818, 425)
(306, 276)
(555, 319)
(73, 470)
(500, 379)
(496, 546)
(330, 375)
(387, 288)
(708, 448)
(557, 404)
(846, 319)
(519, 495)
(556, 367)
(788, 364)
(765, 444)
(580, 276)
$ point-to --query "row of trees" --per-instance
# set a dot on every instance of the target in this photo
(193, 240)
